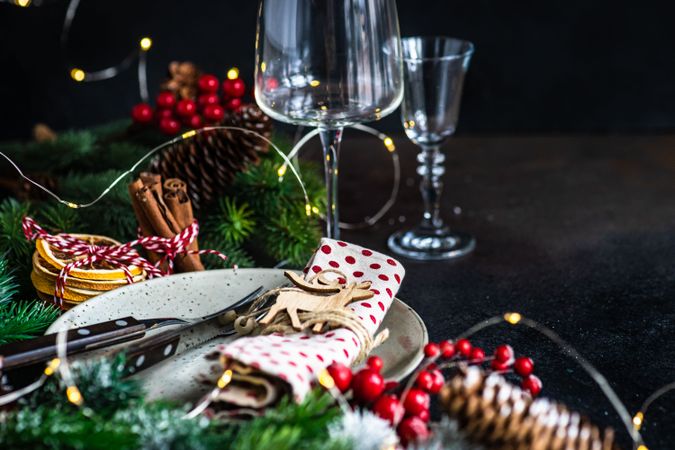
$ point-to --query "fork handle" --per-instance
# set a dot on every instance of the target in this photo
(42, 349)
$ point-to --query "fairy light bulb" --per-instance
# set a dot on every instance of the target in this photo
(389, 143)
(642, 447)
(188, 134)
(638, 419)
(308, 209)
(145, 43)
(23, 3)
(326, 380)
(52, 366)
(233, 73)
(225, 379)
(513, 317)
(77, 74)
(74, 395)
(282, 170)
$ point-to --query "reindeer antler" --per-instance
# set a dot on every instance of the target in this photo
(299, 282)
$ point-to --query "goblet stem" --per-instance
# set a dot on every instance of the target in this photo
(330, 139)
(431, 169)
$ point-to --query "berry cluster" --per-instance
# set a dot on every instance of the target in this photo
(208, 108)
(407, 409)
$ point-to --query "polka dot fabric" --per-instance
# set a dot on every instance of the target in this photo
(298, 358)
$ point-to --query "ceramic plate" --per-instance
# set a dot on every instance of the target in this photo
(188, 295)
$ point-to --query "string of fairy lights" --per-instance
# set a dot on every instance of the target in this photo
(81, 75)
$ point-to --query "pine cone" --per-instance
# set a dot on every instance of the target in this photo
(183, 79)
(493, 412)
(209, 161)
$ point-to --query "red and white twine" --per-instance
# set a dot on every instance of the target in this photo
(121, 256)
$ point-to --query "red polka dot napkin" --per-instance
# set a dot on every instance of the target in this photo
(298, 358)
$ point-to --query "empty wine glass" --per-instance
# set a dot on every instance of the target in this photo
(328, 64)
(433, 69)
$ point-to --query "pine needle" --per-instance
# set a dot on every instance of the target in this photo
(8, 286)
(25, 320)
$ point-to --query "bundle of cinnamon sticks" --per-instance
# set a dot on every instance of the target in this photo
(164, 209)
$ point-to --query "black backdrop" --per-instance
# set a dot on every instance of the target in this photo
(540, 66)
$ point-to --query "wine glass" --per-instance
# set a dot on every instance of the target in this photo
(433, 72)
(328, 64)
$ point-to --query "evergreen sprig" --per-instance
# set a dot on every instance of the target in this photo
(21, 320)
(8, 285)
(13, 244)
(233, 221)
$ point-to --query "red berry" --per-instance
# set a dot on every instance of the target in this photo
(424, 415)
(504, 353)
(162, 114)
(375, 363)
(412, 429)
(233, 104)
(533, 384)
(342, 375)
(367, 385)
(499, 366)
(464, 347)
(208, 83)
(142, 113)
(477, 355)
(523, 366)
(424, 380)
(169, 126)
(431, 350)
(186, 107)
(194, 121)
(214, 113)
(447, 349)
(389, 408)
(417, 400)
(165, 99)
(234, 88)
(208, 99)
(438, 380)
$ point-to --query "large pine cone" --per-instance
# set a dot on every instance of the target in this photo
(493, 412)
(209, 161)
(183, 79)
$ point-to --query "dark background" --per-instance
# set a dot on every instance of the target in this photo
(540, 66)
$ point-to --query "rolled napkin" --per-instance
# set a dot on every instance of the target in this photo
(264, 366)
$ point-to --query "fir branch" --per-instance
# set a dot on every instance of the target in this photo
(291, 235)
(233, 222)
(24, 320)
(102, 382)
(292, 426)
(112, 216)
(13, 243)
(57, 218)
(8, 286)
(236, 255)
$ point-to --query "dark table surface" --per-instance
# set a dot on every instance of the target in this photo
(576, 232)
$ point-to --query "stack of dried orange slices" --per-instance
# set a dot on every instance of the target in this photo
(83, 282)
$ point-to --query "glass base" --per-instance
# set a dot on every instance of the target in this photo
(426, 244)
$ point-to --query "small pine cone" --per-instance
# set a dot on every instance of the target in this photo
(209, 161)
(252, 118)
(183, 79)
(495, 413)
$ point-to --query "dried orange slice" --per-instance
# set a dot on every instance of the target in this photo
(69, 293)
(100, 270)
(42, 268)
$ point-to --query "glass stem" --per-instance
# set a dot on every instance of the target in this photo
(431, 168)
(330, 139)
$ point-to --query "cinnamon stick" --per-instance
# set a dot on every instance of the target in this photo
(178, 202)
(147, 196)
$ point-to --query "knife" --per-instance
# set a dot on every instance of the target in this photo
(100, 335)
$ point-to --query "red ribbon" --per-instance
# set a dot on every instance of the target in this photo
(122, 256)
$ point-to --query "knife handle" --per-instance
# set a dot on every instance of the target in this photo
(151, 351)
(42, 349)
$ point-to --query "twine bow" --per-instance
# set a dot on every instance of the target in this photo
(120, 256)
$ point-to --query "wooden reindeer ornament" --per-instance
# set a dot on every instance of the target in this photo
(312, 296)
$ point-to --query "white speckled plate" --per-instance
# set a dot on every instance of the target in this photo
(200, 293)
